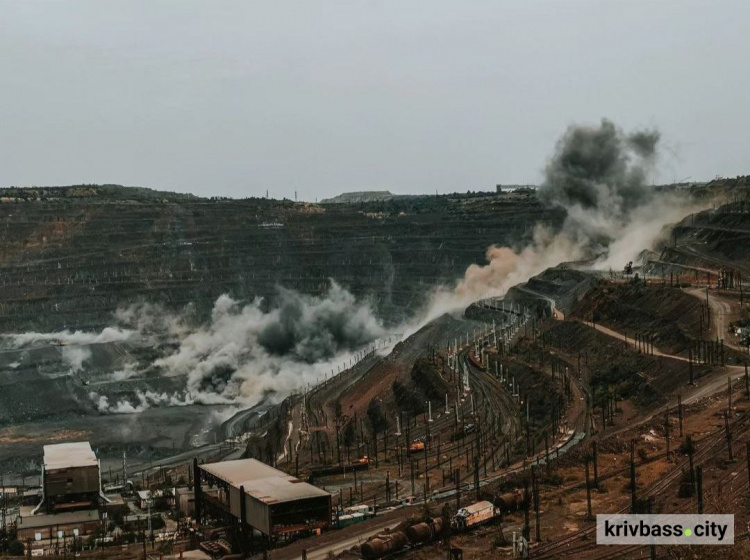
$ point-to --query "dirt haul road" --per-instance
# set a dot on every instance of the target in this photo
(708, 386)
(721, 315)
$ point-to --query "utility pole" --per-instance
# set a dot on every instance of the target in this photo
(729, 436)
(729, 395)
(589, 514)
(476, 475)
(691, 459)
(526, 505)
(595, 447)
(150, 528)
(537, 514)
(632, 477)
(457, 480)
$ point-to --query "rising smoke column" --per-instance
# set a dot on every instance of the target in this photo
(246, 351)
(598, 175)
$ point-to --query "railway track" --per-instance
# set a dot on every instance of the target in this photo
(580, 541)
(491, 401)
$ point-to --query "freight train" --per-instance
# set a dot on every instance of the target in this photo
(510, 502)
(387, 544)
(390, 544)
(353, 515)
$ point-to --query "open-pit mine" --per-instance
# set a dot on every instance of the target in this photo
(441, 376)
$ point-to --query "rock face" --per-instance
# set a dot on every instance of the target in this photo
(70, 261)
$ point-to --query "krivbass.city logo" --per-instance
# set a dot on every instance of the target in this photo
(665, 529)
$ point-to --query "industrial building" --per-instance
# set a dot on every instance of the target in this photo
(70, 497)
(70, 478)
(50, 528)
(257, 496)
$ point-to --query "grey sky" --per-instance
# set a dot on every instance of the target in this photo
(233, 98)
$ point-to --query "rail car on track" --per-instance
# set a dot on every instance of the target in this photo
(476, 514)
(391, 544)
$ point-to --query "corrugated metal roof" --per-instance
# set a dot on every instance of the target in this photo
(67, 455)
(263, 482)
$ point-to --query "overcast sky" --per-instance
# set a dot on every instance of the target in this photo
(236, 97)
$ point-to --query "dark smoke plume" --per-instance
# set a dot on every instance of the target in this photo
(644, 143)
(313, 329)
(246, 350)
(598, 176)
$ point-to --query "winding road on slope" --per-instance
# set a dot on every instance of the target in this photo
(710, 385)
(614, 334)
(721, 311)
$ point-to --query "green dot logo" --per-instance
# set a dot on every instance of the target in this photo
(688, 532)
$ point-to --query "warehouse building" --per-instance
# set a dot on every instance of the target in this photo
(260, 497)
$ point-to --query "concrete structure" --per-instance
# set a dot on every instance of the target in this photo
(71, 479)
(259, 496)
